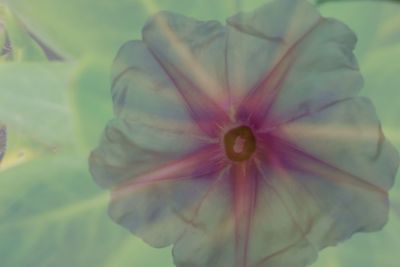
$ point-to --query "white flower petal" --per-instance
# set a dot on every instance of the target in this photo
(147, 149)
(348, 136)
(158, 213)
(258, 40)
(296, 255)
(291, 66)
(152, 125)
(209, 241)
(324, 70)
(140, 87)
(277, 240)
(192, 54)
(195, 48)
(130, 148)
(156, 181)
(327, 209)
(274, 238)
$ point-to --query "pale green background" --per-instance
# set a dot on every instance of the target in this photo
(51, 212)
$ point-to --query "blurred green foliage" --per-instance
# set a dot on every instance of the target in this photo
(51, 212)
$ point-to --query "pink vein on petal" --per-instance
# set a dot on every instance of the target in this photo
(259, 99)
(205, 112)
(205, 159)
(273, 126)
(244, 201)
(311, 164)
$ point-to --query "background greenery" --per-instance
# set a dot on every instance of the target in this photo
(51, 212)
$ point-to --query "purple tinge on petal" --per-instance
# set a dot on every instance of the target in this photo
(325, 71)
(156, 205)
(258, 40)
(283, 79)
(337, 164)
(152, 125)
(142, 89)
(311, 67)
(244, 203)
(348, 136)
(325, 202)
(192, 55)
(132, 146)
(244, 224)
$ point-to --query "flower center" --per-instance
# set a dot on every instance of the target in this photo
(240, 143)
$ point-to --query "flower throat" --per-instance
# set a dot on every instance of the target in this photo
(240, 143)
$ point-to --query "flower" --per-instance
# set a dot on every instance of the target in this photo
(246, 144)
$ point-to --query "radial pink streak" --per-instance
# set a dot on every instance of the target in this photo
(205, 112)
(244, 189)
(296, 158)
(199, 163)
(208, 114)
(256, 104)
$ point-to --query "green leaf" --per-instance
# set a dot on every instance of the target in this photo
(24, 48)
(90, 97)
(369, 25)
(34, 102)
(51, 214)
(97, 28)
